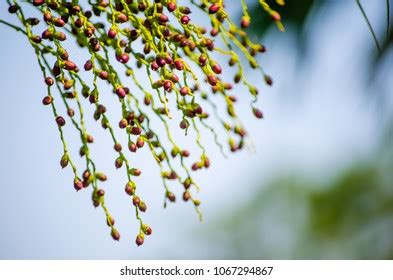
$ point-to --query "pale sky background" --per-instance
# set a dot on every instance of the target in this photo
(319, 119)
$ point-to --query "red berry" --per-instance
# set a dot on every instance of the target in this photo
(38, 2)
(140, 143)
(115, 234)
(186, 196)
(275, 16)
(202, 60)
(171, 197)
(214, 8)
(120, 92)
(198, 110)
(258, 113)
(179, 65)
(139, 240)
(122, 18)
(136, 130)
(129, 189)
(132, 147)
(47, 17)
(214, 32)
(268, 80)
(154, 66)
(195, 166)
(185, 20)
(212, 79)
(69, 65)
(171, 6)
(183, 124)
(47, 100)
(148, 231)
(124, 58)
(162, 18)
(49, 81)
(216, 68)
(168, 60)
(117, 147)
(142, 206)
(118, 162)
(123, 123)
(185, 153)
(103, 75)
(184, 91)
(160, 61)
(168, 85)
(88, 65)
(59, 22)
(136, 201)
(46, 34)
(245, 22)
(136, 172)
(78, 185)
(112, 33)
(60, 121)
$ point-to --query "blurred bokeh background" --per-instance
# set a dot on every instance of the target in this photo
(319, 184)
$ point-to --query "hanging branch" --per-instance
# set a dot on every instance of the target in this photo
(157, 39)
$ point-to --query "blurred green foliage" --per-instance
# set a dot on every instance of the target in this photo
(349, 216)
(294, 217)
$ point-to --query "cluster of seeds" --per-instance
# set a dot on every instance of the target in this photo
(178, 57)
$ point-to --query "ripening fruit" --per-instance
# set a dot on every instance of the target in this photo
(139, 239)
(47, 100)
(184, 91)
(214, 8)
(110, 221)
(258, 113)
(38, 2)
(115, 234)
(212, 80)
(130, 188)
(13, 9)
(112, 33)
(216, 68)
(121, 93)
(171, 197)
(49, 81)
(179, 65)
(275, 16)
(132, 147)
(100, 192)
(148, 230)
(78, 185)
(268, 80)
(245, 22)
(117, 147)
(69, 65)
(60, 121)
(171, 6)
(168, 85)
(88, 65)
(183, 124)
(202, 60)
(136, 200)
(184, 20)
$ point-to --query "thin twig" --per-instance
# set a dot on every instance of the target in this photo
(387, 18)
(17, 28)
(369, 26)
